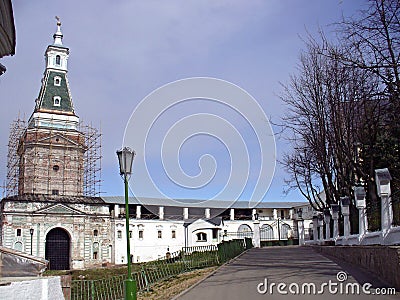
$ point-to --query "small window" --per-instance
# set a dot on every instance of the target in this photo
(95, 232)
(119, 234)
(141, 234)
(159, 234)
(201, 237)
(215, 233)
(57, 101)
(56, 168)
(173, 234)
(57, 81)
(95, 255)
(54, 192)
(130, 234)
(18, 232)
(58, 60)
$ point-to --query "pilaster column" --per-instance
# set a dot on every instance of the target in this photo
(253, 214)
(345, 203)
(383, 179)
(161, 212)
(138, 212)
(232, 212)
(257, 238)
(185, 213)
(315, 228)
(321, 227)
(359, 194)
(335, 216)
(300, 226)
(116, 211)
(327, 220)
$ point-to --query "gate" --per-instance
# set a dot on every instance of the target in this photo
(266, 233)
(57, 249)
(285, 231)
(244, 231)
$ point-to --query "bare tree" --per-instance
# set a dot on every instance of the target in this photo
(343, 107)
(371, 42)
(327, 110)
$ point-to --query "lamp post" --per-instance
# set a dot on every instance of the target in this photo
(125, 158)
(31, 232)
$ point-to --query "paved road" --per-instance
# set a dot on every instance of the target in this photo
(292, 265)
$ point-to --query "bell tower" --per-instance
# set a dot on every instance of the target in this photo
(51, 150)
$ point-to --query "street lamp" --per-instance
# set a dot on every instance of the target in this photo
(125, 158)
(31, 232)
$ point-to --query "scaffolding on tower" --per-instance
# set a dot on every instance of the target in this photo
(91, 163)
(92, 160)
(17, 129)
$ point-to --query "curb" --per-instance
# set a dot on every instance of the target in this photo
(209, 275)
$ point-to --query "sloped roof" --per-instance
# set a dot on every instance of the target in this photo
(7, 29)
(55, 199)
(200, 203)
(48, 91)
(216, 221)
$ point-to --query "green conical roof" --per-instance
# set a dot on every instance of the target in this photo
(54, 87)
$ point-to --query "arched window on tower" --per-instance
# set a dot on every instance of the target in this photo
(58, 60)
(56, 101)
(57, 81)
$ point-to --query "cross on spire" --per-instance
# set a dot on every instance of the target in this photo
(58, 35)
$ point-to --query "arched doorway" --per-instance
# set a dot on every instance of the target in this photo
(58, 249)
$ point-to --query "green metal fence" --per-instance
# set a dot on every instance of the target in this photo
(189, 258)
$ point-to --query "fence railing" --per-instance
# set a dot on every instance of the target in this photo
(147, 274)
(356, 222)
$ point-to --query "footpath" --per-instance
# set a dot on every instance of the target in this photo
(290, 272)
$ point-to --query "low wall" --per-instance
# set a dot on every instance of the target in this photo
(384, 261)
(43, 288)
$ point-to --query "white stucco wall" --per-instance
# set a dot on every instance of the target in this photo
(150, 247)
(35, 289)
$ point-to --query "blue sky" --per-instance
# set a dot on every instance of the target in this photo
(120, 51)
